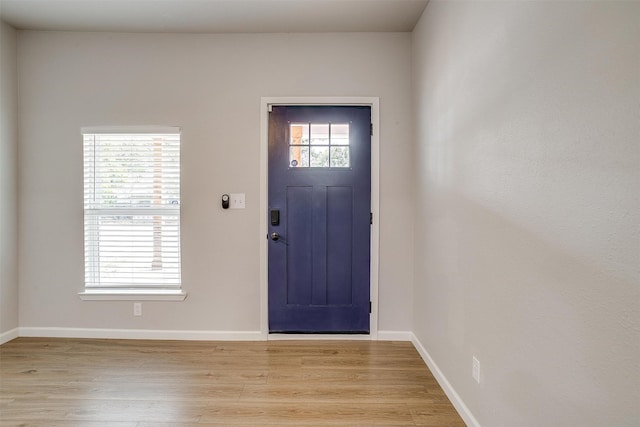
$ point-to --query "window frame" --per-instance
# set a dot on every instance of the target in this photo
(136, 292)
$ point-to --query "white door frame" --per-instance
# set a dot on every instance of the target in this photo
(265, 104)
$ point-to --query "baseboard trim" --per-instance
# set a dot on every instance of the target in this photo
(395, 336)
(152, 334)
(9, 335)
(453, 396)
(141, 334)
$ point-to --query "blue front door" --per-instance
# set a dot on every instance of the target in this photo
(319, 219)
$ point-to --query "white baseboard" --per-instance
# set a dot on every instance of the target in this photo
(152, 334)
(9, 335)
(395, 336)
(142, 334)
(453, 396)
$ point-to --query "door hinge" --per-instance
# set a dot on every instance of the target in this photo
(371, 128)
(369, 307)
(371, 218)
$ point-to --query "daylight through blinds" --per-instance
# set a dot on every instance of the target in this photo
(132, 210)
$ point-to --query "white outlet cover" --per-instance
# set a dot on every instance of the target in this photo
(475, 371)
(236, 201)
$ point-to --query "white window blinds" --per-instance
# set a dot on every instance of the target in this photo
(132, 210)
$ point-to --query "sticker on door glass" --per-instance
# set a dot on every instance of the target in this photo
(299, 156)
(319, 145)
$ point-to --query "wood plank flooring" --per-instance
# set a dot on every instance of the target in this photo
(132, 383)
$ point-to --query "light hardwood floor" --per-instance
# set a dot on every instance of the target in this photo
(132, 383)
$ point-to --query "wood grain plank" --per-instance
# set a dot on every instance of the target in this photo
(337, 392)
(308, 413)
(66, 423)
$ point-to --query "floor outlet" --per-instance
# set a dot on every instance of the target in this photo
(475, 371)
(137, 309)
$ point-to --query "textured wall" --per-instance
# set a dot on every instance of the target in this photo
(527, 241)
(210, 86)
(8, 180)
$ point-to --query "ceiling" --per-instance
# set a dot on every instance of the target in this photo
(214, 16)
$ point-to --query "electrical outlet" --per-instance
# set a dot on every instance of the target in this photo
(475, 370)
(137, 309)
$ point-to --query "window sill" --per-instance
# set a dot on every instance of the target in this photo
(132, 295)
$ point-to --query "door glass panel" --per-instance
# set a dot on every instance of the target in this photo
(299, 133)
(299, 156)
(339, 157)
(339, 134)
(320, 134)
(319, 157)
(329, 145)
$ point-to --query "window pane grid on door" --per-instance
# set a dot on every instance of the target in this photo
(319, 145)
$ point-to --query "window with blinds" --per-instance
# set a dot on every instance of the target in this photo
(132, 210)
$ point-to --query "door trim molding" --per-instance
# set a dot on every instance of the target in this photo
(374, 103)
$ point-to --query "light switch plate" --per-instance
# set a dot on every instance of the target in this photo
(236, 201)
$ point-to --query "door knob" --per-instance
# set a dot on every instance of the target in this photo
(275, 236)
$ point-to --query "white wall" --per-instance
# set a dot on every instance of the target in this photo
(8, 182)
(210, 86)
(527, 245)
